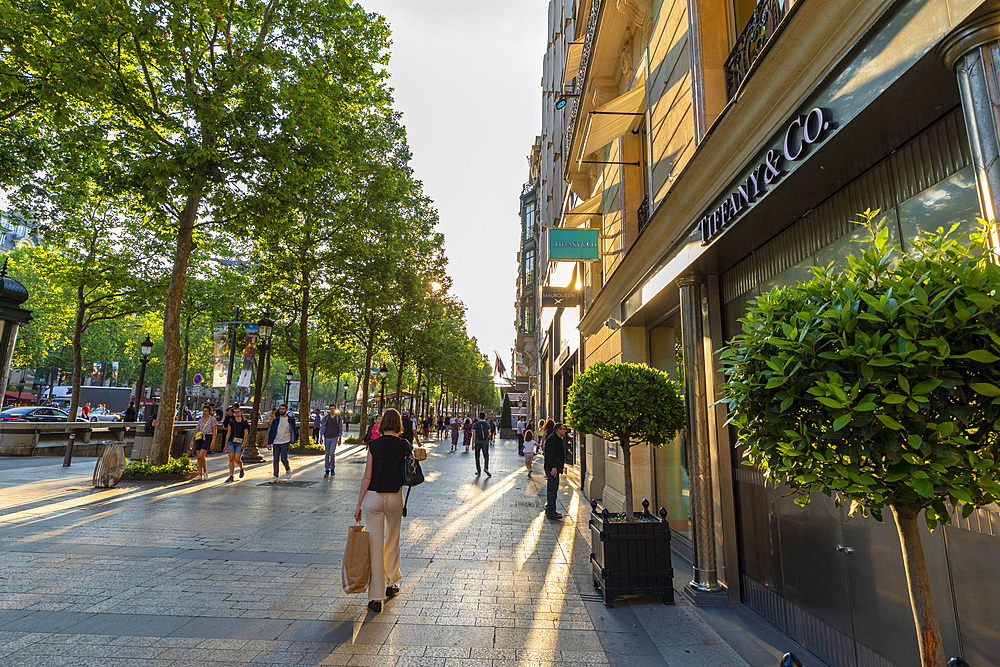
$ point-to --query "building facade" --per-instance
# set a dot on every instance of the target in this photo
(721, 148)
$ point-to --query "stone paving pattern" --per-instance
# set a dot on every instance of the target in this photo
(211, 573)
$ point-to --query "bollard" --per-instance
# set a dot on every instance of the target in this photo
(69, 450)
(957, 662)
(789, 660)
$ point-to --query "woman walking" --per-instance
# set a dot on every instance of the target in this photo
(236, 433)
(204, 435)
(381, 498)
(454, 434)
(467, 433)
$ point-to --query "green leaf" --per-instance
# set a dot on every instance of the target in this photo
(982, 356)
(889, 422)
(985, 388)
(924, 487)
(830, 402)
(842, 421)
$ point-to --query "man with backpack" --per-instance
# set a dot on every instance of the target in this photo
(481, 432)
(331, 427)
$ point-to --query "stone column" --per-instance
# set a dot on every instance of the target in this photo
(973, 52)
(704, 588)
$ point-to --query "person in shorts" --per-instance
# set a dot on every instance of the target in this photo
(204, 435)
(236, 435)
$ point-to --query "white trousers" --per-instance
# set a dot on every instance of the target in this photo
(383, 516)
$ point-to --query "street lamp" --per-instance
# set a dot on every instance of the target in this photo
(423, 392)
(345, 395)
(288, 383)
(145, 349)
(264, 329)
(383, 373)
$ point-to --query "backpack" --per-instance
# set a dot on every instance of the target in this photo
(482, 430)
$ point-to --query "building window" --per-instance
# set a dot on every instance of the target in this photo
(528, 220)
(529, 267)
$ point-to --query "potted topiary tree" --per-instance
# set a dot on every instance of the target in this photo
(878, 384)
(506, 430)
(628, 404)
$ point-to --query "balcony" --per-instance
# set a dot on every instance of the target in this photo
(751, 42)
(642, 213)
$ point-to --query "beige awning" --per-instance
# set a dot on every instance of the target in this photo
(573, 56)
(614, 119)
(583, 213)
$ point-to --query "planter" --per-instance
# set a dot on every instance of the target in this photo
(160, 477)
(631, 558)
(508, 434)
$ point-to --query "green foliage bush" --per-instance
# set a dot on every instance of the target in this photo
(628, 404)
(181, 466)
(505, 412)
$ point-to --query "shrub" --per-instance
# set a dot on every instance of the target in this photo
(628, 404)
(878, 384)
(181, 466)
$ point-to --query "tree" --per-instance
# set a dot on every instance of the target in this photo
(505, 412)
(628, 404)
(877, 383)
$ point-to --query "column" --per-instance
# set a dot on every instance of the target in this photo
(973, 51)
(704, 588)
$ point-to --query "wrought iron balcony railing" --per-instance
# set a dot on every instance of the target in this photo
(588, 41)
(643, 213)
(751, 42)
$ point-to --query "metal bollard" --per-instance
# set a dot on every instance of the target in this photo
(957, 662)
(789, 660)
(69, 450)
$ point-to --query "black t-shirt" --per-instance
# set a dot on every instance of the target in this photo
(238, 428)
(408, 430)
(388, 453)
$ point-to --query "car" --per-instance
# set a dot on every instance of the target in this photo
(33, 413)
(104, 415)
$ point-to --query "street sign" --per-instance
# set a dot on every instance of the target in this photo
(198, 379)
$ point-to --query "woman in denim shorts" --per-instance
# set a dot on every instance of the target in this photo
(236, 435)
(204, 435)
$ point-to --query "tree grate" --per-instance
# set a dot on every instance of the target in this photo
(295, 483)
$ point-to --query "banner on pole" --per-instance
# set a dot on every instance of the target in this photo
(249, 357)
(293, 390)
(220, 341)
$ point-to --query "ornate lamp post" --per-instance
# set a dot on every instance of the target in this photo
(383, 373)
(264, 328)
(288, 383)
(145, 349)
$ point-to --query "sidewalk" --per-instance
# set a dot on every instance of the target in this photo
(212, 573)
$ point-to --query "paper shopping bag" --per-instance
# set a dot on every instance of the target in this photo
(357, 566)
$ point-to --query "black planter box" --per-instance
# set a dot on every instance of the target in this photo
(631, 558)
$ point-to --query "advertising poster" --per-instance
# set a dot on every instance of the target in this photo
(114, 372)
(95, 375)
(249, 357)
(220, 341)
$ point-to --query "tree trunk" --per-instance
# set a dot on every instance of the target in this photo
(81, 311)
(420, 394)
(303, 355)
(187, 351)
(312, 379)
(627, 461)
(172, 327)
(366, 376)
(268, 403)
(917, 580)
(399, 382)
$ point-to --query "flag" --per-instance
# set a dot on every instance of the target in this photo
(498, 367)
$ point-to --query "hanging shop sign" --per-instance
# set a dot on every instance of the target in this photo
(574, 245)
(561, 297)
(801, 133)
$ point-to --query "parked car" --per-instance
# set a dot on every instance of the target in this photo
(31, 413)
(104, 415)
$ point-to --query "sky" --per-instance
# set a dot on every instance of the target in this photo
(467, 78)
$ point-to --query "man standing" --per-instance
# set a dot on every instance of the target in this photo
(481, 430)
(130, 414)
(280, 436)
(520, 436)
(332, 429)
(317, 419)
(555, 461)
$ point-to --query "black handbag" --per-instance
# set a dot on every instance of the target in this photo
(413, 474)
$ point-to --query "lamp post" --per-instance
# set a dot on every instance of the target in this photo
(288, 383)
(423, 396)
(264, 328)
(145, 349)
(383, 373)
(20, 388)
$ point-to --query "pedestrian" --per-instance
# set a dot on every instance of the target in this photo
(151, 414)
(520, 435)
(317, 419)
(86, 411)
(236, 434)
(281, 434)
(483, 431)
(332, 430)
(381, 498)
(440, 427)
(204, 435)
(218, 413)
(467, 433)
(454, 434)
(375, 422)
(129, 415)
(494, 427)
(409, 432)
(428, 422)
(555, 461)
(227, 419)
(528, 448)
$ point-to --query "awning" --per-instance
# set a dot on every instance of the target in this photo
(614, 119)
(573, 56)
(584, 213)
